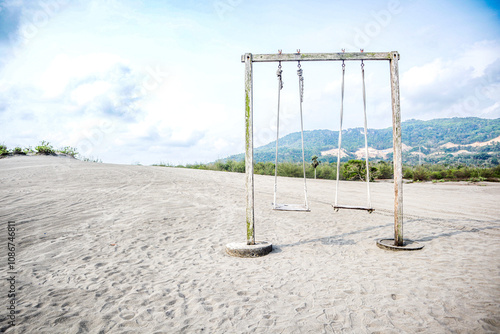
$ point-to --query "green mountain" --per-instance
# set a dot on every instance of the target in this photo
(439, 140)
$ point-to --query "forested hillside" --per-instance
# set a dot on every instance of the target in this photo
(424, 140)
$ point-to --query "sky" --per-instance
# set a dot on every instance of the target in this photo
(150, 82)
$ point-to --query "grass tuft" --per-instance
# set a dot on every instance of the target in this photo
(18, 150)
(3, 150)
(45, 148)
(68, 150)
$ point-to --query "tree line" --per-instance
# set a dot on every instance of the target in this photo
(355, 170)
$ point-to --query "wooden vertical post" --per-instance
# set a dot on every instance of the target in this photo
(249, 149)
(250, 248)
(398, 158)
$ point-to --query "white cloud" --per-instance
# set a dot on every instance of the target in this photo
(63, 69)
(480, 56)
(461, 86)
(85, 93)
(492, 111)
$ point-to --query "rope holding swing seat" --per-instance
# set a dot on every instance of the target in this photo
(339, 151)
(280, 87)
(336, 206)
(290, 207)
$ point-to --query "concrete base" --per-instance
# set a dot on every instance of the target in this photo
(241, 249)
(408, 245)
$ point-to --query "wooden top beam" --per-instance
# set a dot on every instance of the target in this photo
(273, 57)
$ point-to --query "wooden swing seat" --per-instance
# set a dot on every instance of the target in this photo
(291, 207)
(350, 207)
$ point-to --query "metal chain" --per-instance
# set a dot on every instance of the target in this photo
(278, 73)
(301, 82)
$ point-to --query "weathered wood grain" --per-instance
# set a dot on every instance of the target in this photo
(273, 57)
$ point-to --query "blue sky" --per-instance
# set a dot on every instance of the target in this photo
(162, 81)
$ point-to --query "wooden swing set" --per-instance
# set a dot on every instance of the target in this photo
(336, 206)
(299, 57)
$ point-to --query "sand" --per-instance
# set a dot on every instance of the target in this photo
(105, 248)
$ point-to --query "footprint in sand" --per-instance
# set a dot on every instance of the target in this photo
(395, 297)
(127, 315)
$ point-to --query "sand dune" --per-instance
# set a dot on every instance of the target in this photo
(107, 248)
(475, 144)
(335, 152)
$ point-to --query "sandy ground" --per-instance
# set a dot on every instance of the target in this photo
(104, 248)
